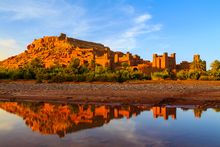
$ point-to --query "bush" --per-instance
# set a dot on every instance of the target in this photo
(215, 74)
(136, 75)
(146, 77)
(15, 74)
(4, 74)
(28, 74)
(206, 78)
(79, 77)
(100, 77)
(182, 75)
(90, 76)
(194, 75)
(58, 78)
(111, 77)
(160, 75)
(106, 77)
(122, 76)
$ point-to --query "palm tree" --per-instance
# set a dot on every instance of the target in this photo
(198, 65)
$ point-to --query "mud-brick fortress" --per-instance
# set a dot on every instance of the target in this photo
(61, 50)
(162, 62)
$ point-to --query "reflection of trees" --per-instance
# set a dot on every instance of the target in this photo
(198, 112)
(185, 109)
(217, 109)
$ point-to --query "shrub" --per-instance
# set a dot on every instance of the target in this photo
(111, 77)
(106, 77)
(146, 77)
(4, 74)
(100, 77)
(137, 75)
(83, 69)
(194, 75)
(215, 74)
(15, 74)
(124, 65)
(182, 75)
(160, 75)
(58, 78)
(122, 76)
(90, 76)
(28, 74)
(80, 77)
(99, 70)
(206, 78)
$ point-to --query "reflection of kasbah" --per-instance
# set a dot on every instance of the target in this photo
(198, 112)
(62, 119)
(164, 112)
(52, 50)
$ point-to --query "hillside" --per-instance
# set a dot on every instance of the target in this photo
(52, 50)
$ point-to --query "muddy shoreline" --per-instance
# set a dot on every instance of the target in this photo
(204, 93)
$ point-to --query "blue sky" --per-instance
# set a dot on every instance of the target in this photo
(141, 27)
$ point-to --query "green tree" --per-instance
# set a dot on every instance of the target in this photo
(198, 65)
(124, 65)
(74, 63)
(74, 66)
(182, 75)
(30, 70)
(215, 66)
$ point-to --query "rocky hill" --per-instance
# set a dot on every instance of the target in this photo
(53, 49)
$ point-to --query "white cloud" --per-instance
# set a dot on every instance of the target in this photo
(141, 27)
(8, 47)
(46, 15)
(143, 18)
(49, 17)
(8, 43)
(126, 131)
(8, 121)
(20, 9)
(127, 39)
(120, 43)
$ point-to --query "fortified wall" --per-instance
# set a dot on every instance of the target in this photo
(165, 61)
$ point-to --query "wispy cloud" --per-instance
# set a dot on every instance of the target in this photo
(45, 15)
(8, 121)
(8, 43)
(8, 47)
(118, 26)
(127, 39)
(117, 128)
(23, 10)
(143, 18)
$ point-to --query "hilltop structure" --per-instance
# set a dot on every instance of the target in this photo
(52, 50)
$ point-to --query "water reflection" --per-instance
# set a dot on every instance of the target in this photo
(61, 119)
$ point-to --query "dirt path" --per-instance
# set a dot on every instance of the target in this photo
(158, 92)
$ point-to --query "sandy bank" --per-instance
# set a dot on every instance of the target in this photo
(153, 92)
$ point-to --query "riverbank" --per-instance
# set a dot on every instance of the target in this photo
(140, 92)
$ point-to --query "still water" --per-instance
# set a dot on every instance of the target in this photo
(52, 124)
